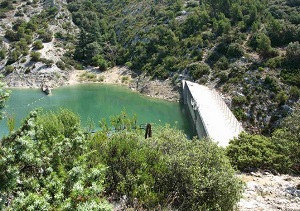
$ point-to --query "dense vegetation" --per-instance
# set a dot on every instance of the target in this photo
(278, 153)
(247, 48)
(3, 97)
(244, 47)
(52, 163)
(163, 37)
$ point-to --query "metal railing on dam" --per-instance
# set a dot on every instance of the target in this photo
(211, 116)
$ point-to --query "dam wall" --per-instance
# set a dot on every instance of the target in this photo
(211, 116)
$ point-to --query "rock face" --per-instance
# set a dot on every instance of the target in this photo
(265, 191)
(46, 89)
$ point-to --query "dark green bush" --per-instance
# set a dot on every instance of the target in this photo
(61, 65)
(272, 84)
(281, 152)
(37, 45)
(50, 157)
(293, 53)
(294, 92)
(198, 70)
(2, 54)
(258, 152)
(47, 36)
(235, 50)
(281, 97)
(9, 69)
(35, 56)
(222, 63)
(239, 100)
(13, 56)
(168, 170)
(239, 113)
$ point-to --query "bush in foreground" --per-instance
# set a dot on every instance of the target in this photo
(281, 152)
(50, 163)
(43, 167)
(167, 170)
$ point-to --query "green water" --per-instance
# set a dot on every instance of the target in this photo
(96, 102)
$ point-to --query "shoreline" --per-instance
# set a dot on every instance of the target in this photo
(120, 76)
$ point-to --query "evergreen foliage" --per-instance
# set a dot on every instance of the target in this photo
(3, 97)
(44, 166)
(280, 153)
(51, 163)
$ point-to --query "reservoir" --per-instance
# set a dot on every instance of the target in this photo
(94, 102)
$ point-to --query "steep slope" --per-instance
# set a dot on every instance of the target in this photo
(36, 35)
(239, 47)
(247, 49)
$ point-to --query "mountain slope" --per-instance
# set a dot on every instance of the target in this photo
(247, 49)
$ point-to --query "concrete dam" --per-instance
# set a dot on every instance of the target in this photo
(211, 116)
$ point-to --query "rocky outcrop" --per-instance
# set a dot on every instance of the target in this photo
(265, 191)
(46, 89)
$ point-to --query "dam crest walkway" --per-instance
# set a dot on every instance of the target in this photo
(211, 116)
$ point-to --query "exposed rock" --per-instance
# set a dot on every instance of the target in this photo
(265, 191)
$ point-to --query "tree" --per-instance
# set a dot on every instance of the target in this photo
(289, 136)
(35, 56)
(281, 97)
(166, 170)
(99, 61)
(9, 69)
(263, 44)
(293, 53)
(2, 54)
(50, 167)
(37, 45)
(4, 94)
(235, 50)
(197, 70)
(258, 152)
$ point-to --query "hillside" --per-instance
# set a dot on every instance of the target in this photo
(247, 49)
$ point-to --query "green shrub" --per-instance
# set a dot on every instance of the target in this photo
(47, 62)
(263, 44)
(272, 84)
(281, 152)
(167, 170)
(257, 152)
(2, 54)
(7, 4)
(11, 35)
(223, 76)
(239, 113)
(222, 63)
(235, 50)
(293, 53)
(61, 65)
(9, 69)
(37, 45)
(99, 61)
(197, 70)
(35, 56)
(51, 158)
(281, 97)
(239, 100)
(294, 92)
(128, 64)
(53, 155)
(86, 76)
(46, 37)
